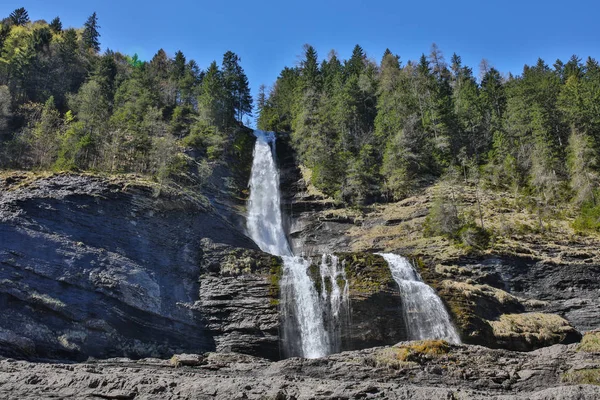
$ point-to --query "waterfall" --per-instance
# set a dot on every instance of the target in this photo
(314, 305)
(302, 306)
(424, 313)
(335, 297)
(264, 207)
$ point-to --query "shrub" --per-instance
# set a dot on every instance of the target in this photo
(588, 219)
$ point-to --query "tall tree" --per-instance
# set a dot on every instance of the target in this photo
(212, 98)
(239, 100)
(19, 17)
(56, 25)
(91, 35)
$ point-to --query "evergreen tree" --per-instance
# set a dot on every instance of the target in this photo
(56, 25)
(239, 100)
(179, 64)
(212, 98)
(90, 34)
(19, 17)
(357, 63)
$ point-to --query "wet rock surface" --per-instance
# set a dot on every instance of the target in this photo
(461, 372)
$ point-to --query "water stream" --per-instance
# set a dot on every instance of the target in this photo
(424, 313)
(302, 307)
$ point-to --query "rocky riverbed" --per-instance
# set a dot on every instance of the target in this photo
(414, 370)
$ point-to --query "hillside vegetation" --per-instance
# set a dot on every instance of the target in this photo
(374, 132)
(65, 106)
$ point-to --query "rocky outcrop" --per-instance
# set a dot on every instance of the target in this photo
(375, 303)
(417, 371)
(239, 298)
(98, 267)
(494, 318)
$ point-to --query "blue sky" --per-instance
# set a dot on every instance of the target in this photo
(269, 35)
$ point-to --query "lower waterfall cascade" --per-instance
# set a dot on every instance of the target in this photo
(313, 316)
(424, 312)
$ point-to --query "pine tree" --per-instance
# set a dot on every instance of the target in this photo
(179, 66)
(56, 25)
(239, 100)
(19, 17)
(261, 103)
(90, 33)
(357, 63)
(212, 98)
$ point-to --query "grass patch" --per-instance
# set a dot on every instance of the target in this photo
(535, 328)
(590, 342)
(588, 219)
(589, 376)
(414, 353)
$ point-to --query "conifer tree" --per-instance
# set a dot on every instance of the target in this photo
(212, 98)
(90, 33)
(56, 25)
(239, 100)
(19, 17)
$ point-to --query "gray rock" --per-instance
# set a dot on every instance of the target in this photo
(108, 268)
(466, 372)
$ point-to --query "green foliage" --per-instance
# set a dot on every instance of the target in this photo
(63, 106)
(588, 218)
(91, 35)
(19, 17)
(371, 132)
(56, 25)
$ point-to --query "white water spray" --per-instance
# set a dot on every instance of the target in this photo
(299, 295)
(424, 313)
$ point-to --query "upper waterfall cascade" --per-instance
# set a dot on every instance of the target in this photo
(299, 295)
(424, 313)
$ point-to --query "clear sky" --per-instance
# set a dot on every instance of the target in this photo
(269, 35)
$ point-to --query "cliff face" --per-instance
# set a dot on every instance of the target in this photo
(112, 267)
(101, 268)
(97, 267)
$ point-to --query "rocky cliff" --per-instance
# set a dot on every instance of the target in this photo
(96, 267)
(529, 287)
(119, 267)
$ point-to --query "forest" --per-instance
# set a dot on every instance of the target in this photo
(368, 131)
(66, 107)
(373, 132)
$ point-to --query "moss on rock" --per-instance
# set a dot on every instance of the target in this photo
(367, 273)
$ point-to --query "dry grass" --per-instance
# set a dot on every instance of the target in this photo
(515, 226)
(537, 325)
(476, 291)
(590, 342)
(407, 355)
(589, 376)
